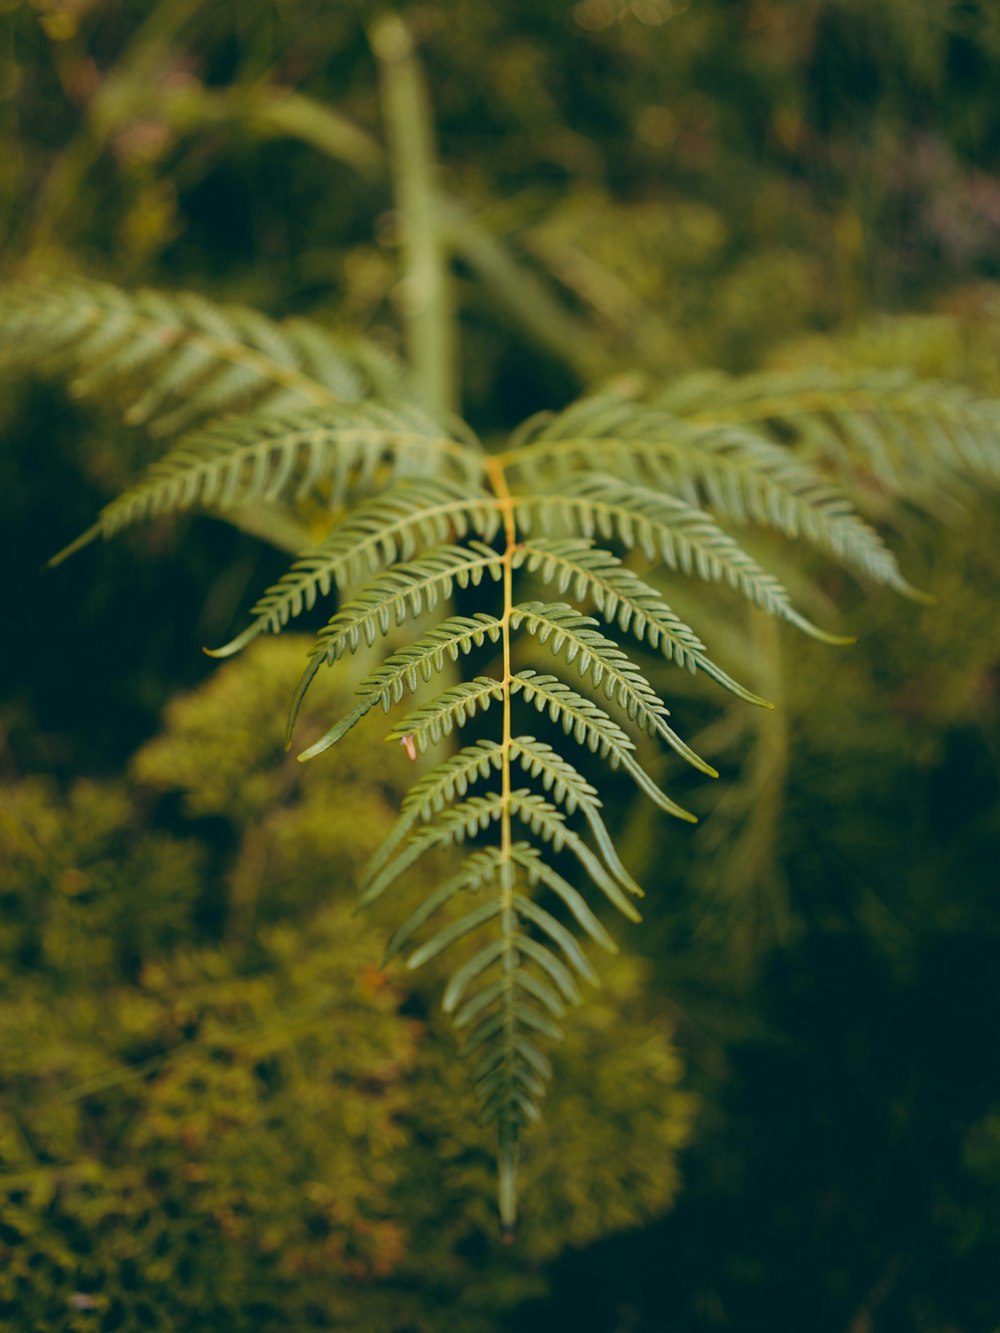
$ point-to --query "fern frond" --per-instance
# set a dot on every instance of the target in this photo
(431, 722)
(264, 458)
(537, 871)
(619, 594)
(511, 990)
(431, 792)
(381, 531)
(454, 825)
(470, 972)
(543, 818)
(429, 506)
(450, 826)
(571, 790)
(404, 670)
(741, 473)
(419, 661)
(451, 778)
(664, 528)
(559, 935)
(477, 870)
(889, 417)
(179, 357)
(591, 726)
(564, 630)
(404, 591)
(454, 931)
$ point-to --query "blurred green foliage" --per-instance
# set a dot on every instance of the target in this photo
(217, 1111)
(780, 165)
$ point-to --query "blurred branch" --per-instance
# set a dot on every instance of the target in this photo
(427, 306)
(277, 112)
(524, 297)
(541, 316)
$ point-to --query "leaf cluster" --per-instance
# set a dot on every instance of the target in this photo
(422, 513)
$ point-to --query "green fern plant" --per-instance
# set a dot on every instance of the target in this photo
(537, 533)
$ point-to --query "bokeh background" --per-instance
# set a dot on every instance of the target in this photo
(782, 1110)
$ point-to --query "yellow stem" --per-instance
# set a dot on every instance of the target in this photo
(507, 1129)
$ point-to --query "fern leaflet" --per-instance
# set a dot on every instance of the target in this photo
(600, 658)
(180, 358)
(890, 418)
(663, 527)
(620, 594)
(264, 458)
(384, 530)
(405, 669)
(741, 473)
